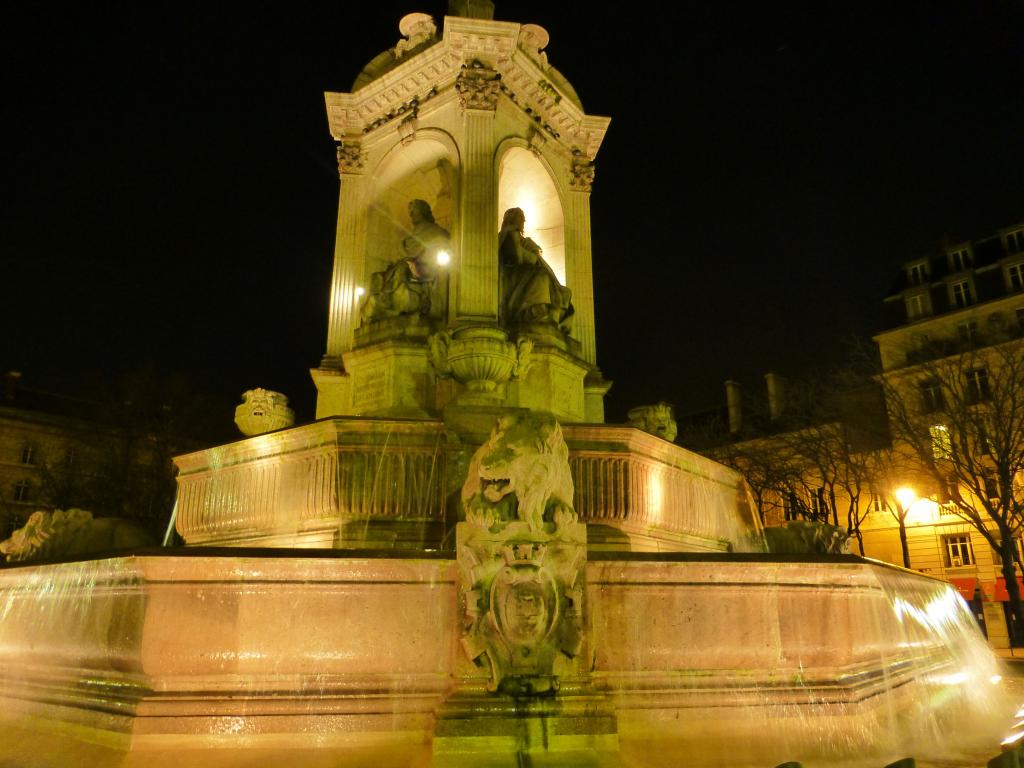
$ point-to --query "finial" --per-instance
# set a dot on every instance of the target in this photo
(471, 9)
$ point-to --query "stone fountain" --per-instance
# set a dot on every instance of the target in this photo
(458, 563)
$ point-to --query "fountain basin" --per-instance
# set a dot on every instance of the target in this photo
(755, 657)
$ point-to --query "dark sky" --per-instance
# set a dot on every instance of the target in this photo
(169, 185)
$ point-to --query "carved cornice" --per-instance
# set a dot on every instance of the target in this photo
(350, 157)
(418, 78)
(408, 111)
(478, 86)
(524, 78)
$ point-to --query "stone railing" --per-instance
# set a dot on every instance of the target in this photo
(658, 495)
(312, 485)
(384, 484)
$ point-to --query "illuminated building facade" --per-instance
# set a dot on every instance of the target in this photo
(48, 458)
(61, 452)
(960, 310)
(961, 307)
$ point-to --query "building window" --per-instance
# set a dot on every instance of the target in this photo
(991, 487)
(28, 454)
(917, 306)
(984, 442)
(22, 490)
(967, 333)
(918, 273)
(960, 259)
(977, 385)
(877, 503)
(1015, 242)
(1015, 276)
(1018, 549)
(958, 552)
(942, 445)
(818, 507)
(931, 396)
(962, 294)
(790, 506)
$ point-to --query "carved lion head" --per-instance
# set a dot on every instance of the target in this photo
(525, 458)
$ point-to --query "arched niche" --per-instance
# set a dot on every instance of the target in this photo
(423, 169)
(524, 182)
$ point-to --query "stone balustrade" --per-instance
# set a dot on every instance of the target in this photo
(307, 487)
(655, 494)
(386, 483)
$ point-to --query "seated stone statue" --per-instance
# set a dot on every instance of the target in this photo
(531, 292)
(408, 285)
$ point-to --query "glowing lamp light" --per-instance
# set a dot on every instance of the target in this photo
(443, 258)
(906, 497)
(359, 292)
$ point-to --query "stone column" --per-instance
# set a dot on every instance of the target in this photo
(579, 266)
(477, 292)
(348, 254)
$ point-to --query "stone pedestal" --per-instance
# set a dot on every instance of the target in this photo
(553, 383)
(334, 390)
(392, 375)
(595, 387)
(392, 379)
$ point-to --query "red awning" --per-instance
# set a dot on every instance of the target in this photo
(1001, 594)
(965, 587)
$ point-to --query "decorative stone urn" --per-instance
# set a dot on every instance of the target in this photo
(482, 358)
(658, 419)
(263, 411)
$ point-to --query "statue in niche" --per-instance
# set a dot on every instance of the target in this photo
(409, 285)
(531, 292)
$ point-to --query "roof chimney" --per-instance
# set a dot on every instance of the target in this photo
(11, 381)
(776, 395)
(733, 399)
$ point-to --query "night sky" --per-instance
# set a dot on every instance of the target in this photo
(169, 184)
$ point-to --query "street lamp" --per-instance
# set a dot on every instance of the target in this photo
(906, 496)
